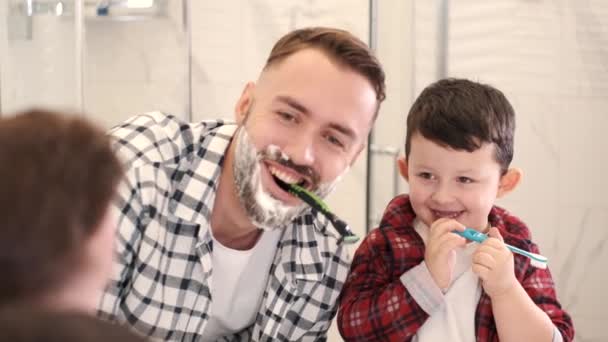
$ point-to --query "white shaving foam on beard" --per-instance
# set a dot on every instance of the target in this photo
(268, 203)
(270, 213)
(263, 210)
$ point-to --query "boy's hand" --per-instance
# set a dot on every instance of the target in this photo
(439, 254)
(493, 263)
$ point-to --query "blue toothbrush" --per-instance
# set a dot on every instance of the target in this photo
(536, 260)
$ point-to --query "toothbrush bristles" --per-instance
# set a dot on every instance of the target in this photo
(538, 264)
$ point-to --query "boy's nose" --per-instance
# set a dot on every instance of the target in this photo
(442, 194)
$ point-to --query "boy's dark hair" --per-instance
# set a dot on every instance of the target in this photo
(58, 175)
(340, 46)
(462, 115)
(34, 326)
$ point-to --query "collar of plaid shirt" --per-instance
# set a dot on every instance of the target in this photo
(164, 276)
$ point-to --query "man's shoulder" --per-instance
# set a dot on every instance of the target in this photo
(156, 137)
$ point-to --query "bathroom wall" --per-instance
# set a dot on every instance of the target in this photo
(549, 57)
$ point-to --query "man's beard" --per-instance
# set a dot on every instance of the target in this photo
(265, 211)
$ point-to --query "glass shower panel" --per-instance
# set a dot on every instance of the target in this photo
(396, 50)
(136, 60)
(37, 56)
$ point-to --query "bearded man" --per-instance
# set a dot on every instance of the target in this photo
(210, 245)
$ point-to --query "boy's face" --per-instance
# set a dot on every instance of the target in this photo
(456, 184)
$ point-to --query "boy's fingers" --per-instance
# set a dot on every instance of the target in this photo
(494, 243)
(449, 242)
(484, 259)
(444, 225)
(495, 233)
(490, 248)
(481, 271)
(435, 228)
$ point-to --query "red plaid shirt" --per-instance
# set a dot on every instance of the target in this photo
(376, 306)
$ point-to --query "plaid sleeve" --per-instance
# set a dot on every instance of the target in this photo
(153, 137)
(375, 305)
(129, 211)
(539, 285)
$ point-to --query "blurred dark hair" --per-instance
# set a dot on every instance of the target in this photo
(58, 175)
(463, 115)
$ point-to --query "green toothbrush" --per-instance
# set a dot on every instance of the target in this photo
(316, 203)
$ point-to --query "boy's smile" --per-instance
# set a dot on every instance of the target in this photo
(452, 214)
(448, 183)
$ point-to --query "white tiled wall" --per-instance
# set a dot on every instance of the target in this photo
(549, 57)
(36, 71)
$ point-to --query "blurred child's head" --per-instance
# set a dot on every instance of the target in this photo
(58, 176)
(458, 148)
(27, 325)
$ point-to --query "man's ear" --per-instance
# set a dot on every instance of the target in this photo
(243, 105)
(356, 156)
(402, 165)
(509, 181)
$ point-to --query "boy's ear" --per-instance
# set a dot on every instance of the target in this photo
(509, 181)
(402, 165)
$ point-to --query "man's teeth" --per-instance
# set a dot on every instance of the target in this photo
(283, 176)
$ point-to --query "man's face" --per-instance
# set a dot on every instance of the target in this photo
(450, 183)
(305, 122)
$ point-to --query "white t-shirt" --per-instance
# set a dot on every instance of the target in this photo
(455, 320)
(238, 284)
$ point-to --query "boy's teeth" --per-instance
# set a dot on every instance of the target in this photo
(289, 179)
(448, 214)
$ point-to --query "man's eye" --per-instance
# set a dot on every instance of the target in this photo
(286, 116)
(334, 141)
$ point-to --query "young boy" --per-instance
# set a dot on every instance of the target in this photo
(413, 278)
(58, 176)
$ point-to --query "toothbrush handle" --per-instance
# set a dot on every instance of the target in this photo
(478, 237)
(519, 251)
(340, 225)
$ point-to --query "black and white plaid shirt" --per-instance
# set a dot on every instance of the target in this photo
(163, 272)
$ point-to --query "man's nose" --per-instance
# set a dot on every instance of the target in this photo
(302, 150)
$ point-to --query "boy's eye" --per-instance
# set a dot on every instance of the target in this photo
(465, 180)
(426, 175)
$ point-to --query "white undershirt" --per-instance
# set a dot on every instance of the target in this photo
(239, 281)
(455, 320)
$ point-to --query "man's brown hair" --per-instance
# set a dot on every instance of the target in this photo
(463, 115)
(340, 46)
(58, 175)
